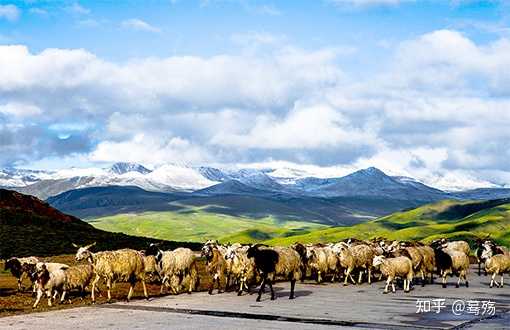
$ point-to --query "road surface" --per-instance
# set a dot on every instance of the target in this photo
(324, 306)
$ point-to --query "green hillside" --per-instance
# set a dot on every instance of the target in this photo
(459, 220)
(454, 219)
(196, 225)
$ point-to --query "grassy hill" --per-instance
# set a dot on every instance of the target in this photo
(29, 226)
(196, 225)
(453, 219)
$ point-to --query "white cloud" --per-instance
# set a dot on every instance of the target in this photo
(88, 23)
(78, 9)
(438, 113)
(151, 149)
(313, 127)
(16, 109)
(139, 25)
(9, 12)
(38, 11)
(368, 3)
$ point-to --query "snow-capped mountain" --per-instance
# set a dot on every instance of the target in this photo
(123, 168)
(12, 177)
(164, 178)
(370, 182)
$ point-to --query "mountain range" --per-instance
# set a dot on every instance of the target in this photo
(284, 193)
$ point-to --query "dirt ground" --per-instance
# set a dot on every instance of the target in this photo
(13, 302)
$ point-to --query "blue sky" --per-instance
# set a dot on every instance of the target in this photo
(408, 86)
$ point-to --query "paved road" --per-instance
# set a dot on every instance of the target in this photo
(316, 306)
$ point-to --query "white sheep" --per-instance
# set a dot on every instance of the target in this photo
(461, 246)
(50, 279)
(242, 268)
(358, 256)
(496, 264)
(175, 267)
(395, 267)
(124, 265)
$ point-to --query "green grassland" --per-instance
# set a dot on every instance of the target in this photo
(196, 225)
(453, 219)
(442, 219)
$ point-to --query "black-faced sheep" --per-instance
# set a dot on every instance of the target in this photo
(451, 261)
(19, 268)
(271, 262)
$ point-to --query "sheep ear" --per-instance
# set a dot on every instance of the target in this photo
(76, 246)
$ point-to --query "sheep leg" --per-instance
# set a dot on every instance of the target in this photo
(443, 275)
(348, 275)
(131, 289)
(464, 275)
(211, 287)
(227, 284)
(292, 286)
(241, 285)
(360, 276)
(20, 282)
(62, 297)
(262, 286)
(191, 284)
(393, 286)
(39, 295)
(388, 281)
(422, 277)
(94, 283)
(48, 294)
(319, 277)
(109, 288)
(369, 275)
(163, 284)
(460, 277)
(347, 272)
(269, 282)
(146, 295)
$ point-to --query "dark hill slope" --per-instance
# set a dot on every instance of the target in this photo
(102, 201)
(29, 226)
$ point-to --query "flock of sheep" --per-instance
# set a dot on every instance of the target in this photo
(245, 266)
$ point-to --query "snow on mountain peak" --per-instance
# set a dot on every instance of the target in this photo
(124, 167)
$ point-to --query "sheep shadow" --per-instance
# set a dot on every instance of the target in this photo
(281, 292)
(4, 292)
(297, 293)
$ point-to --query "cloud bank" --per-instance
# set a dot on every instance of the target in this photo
(439, 111)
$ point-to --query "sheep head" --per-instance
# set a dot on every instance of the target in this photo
(83, 252)
(378, 260)
(486, 254)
